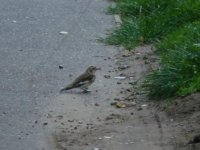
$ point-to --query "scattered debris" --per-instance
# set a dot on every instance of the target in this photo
(96, 104)
(144, 105)
(128, 90)
(130, 98)
(127, 53)
(49, 116)
(61, 67)
(70, 120)
(120, 77)
(120, 104)
(107, 76)
(130, 77)
(139, 108)
(59, 117)
(45, 123)
(108, 137)
(115, 117)
(123, 104)
(108, 118)
(80, 122)
(63, 32)
(96, 148)
(145, 58)
(117, 99)
(138, 53)
(123, 67)
(132, 104)
(133, 83)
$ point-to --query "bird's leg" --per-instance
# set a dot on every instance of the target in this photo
(85, 90)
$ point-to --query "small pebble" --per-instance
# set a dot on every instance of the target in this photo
(107, 76)
(96, 104)
(61, 67)
(45, 123)
(80, 122)
(70, 120)
(139, 108)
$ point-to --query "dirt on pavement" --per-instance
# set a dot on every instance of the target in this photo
(185, 114)
(136, 123)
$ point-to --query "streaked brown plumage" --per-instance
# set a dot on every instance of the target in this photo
(84, 80)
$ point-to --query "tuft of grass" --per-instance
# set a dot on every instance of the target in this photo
(126, 35)
(150, 20)
(179, 72)
(192, 87)
(137, 8)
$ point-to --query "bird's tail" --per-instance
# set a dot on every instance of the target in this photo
(66, 88)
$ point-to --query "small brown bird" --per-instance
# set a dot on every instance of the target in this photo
(84, 80)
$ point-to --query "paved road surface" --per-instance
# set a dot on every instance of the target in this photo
(31, 50)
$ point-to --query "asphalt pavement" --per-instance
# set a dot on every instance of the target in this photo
(31, 51)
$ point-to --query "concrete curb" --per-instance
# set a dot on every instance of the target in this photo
(116, 17)
(118, 20)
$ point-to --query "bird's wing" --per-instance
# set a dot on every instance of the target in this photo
(83, 79)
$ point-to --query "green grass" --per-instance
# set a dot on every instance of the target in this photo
(179, 72)
(137, 8)
(173, 26)
(125, 35)
(150, 20)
